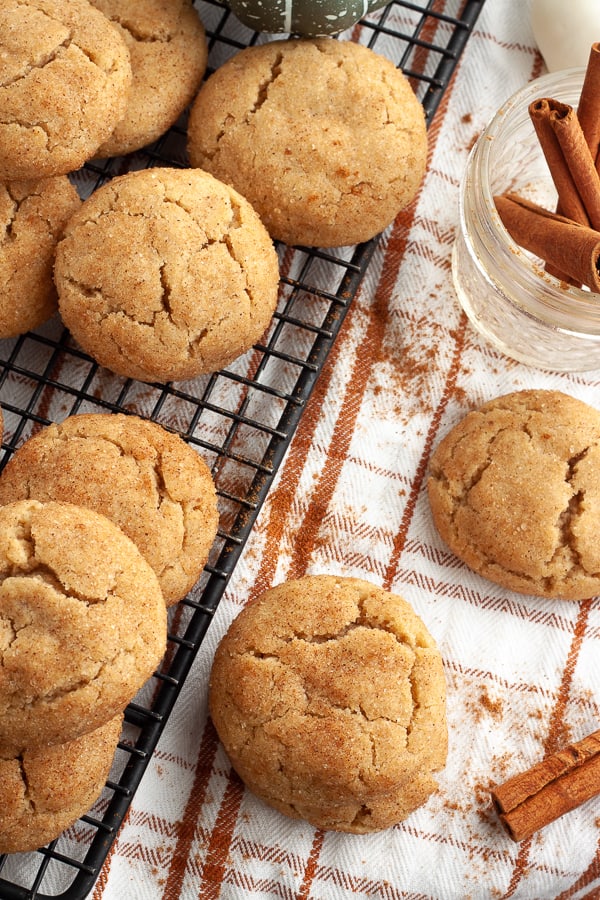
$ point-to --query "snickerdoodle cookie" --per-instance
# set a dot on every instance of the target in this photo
(165, 274)
(82, 623)
(32, 217)
(45, 791)
(65, 78)
(329, 697)
(146, 479)
(168, 53)
(325, 138)
(514, 491)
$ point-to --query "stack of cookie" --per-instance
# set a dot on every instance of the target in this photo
(105, 521)
(77, 80)
(168, 274)
(82, 627)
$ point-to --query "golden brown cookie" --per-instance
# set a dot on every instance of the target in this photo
(45, 791)
(328, 694)
(325, 138)
(32, 217)
(168, 53)
(165, 274)
(82, 623)
(146, 479)
(65, 78)
(514, 491)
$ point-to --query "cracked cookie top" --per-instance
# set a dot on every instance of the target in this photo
(168, 52)
(82, 623)
(45, 791)
(328, 694)
(514, 490)
(146, 479)
(65, 77)
(325, 138)
(32, 217)
(166, 274)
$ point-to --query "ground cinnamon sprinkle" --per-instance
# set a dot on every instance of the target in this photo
(494, 707)
(411, 364)
(467, 119)
(482, 703)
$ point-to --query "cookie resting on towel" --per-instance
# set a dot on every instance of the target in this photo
(329, 696)
(514, 490)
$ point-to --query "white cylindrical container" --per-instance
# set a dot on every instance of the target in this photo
(564, 31)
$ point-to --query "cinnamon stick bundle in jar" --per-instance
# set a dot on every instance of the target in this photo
(557, 785)
(588, 110)
(566, 245)
(570, 142)
(569, 160)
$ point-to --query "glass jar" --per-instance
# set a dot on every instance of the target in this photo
(505, 291)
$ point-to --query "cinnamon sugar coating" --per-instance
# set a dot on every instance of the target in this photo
(168, 53)
(146, 479)
(82, 623)
(166, 274)
(65, 77)
(514, 491)
(325, 138)
(32, 218)
(45, 791)
(329, 697)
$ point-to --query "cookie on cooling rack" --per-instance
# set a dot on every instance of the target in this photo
(514, 492)
(329, 696)
(168, 52)
(166, 274)
(82, 623)
(45, 791)
(325, 138)
(146, 479)
(32, 217)
(65, 77)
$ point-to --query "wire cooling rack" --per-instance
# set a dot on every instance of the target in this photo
(241, 420)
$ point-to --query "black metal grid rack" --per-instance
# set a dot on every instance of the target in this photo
(241, 420)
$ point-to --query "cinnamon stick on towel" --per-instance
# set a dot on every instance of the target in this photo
(568, 247)
(555, 786)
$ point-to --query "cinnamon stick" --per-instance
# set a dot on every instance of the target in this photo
(553, 787)
(569, 159)
(588, 110)
(569, 247)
